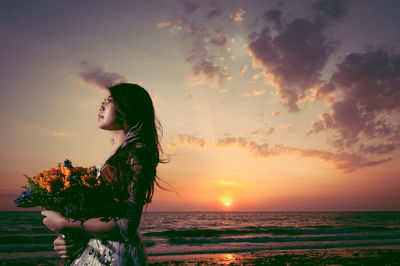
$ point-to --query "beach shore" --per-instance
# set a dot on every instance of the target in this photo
(335, 256)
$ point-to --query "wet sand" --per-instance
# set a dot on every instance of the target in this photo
(337, 256)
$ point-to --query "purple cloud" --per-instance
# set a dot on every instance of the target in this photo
(206, 62)
(331, 9)
(274, 16)
(370, 84)
(99, 76)
(215, 13)
(189, 8)
(294, 53)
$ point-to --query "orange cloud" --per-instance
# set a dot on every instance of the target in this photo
(182, 139)
(237, 16)
(242, 70)
(346, 162)
(60, 133)
(275, 113)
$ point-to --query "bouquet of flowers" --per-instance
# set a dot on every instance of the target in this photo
(75, 192)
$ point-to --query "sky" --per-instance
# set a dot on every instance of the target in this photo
(265, 105)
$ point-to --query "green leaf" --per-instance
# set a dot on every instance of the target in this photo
(28, 205)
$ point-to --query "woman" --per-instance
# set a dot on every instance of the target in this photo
(128, 113)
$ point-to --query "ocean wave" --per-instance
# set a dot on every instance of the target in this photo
(209, 249)
(27, 239)
(267, 239)
(273, 230)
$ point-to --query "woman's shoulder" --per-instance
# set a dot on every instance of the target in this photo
(140, 145)
(136, 152)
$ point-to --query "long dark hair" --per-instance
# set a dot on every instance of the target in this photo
(134, 105)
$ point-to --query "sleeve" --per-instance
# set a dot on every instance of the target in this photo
(129, 224)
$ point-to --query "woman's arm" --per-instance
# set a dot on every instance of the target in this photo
(59, 224)
(123, 228)
(95, 227)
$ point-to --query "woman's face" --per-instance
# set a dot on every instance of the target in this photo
(106, 117)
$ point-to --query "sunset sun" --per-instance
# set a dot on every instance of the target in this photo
(226, 201)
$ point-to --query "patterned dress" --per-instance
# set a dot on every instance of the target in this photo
(130, 251)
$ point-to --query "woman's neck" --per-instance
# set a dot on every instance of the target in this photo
(117, 136)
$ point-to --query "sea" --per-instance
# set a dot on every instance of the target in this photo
(23, 235)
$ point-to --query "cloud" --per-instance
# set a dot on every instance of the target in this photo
(326, 91)
(274, 17)
(221, 40)
(285, 127)
(256, 89)
(369, 83)
(371, 78)
(331, 9)
(246, 95)
(99, 76)
(242, 70)
(206, 47)
(386, 147)
(215, 12)
(293, 53)
(207, 68)
(266, 131)
(258, 92)
(257, 75)
(346, 162)
(172, 26)
(275, 113)
(60, 133)
(189, 8)
(182, 139)
(163, 24)
(237, 16)
(229, 183)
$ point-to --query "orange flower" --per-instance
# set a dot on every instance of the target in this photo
(65, 171)
(79, 169)
(53, 171)
(91, 180)
(66, 185)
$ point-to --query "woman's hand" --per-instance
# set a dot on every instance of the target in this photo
(62, 249)
(54, 220)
